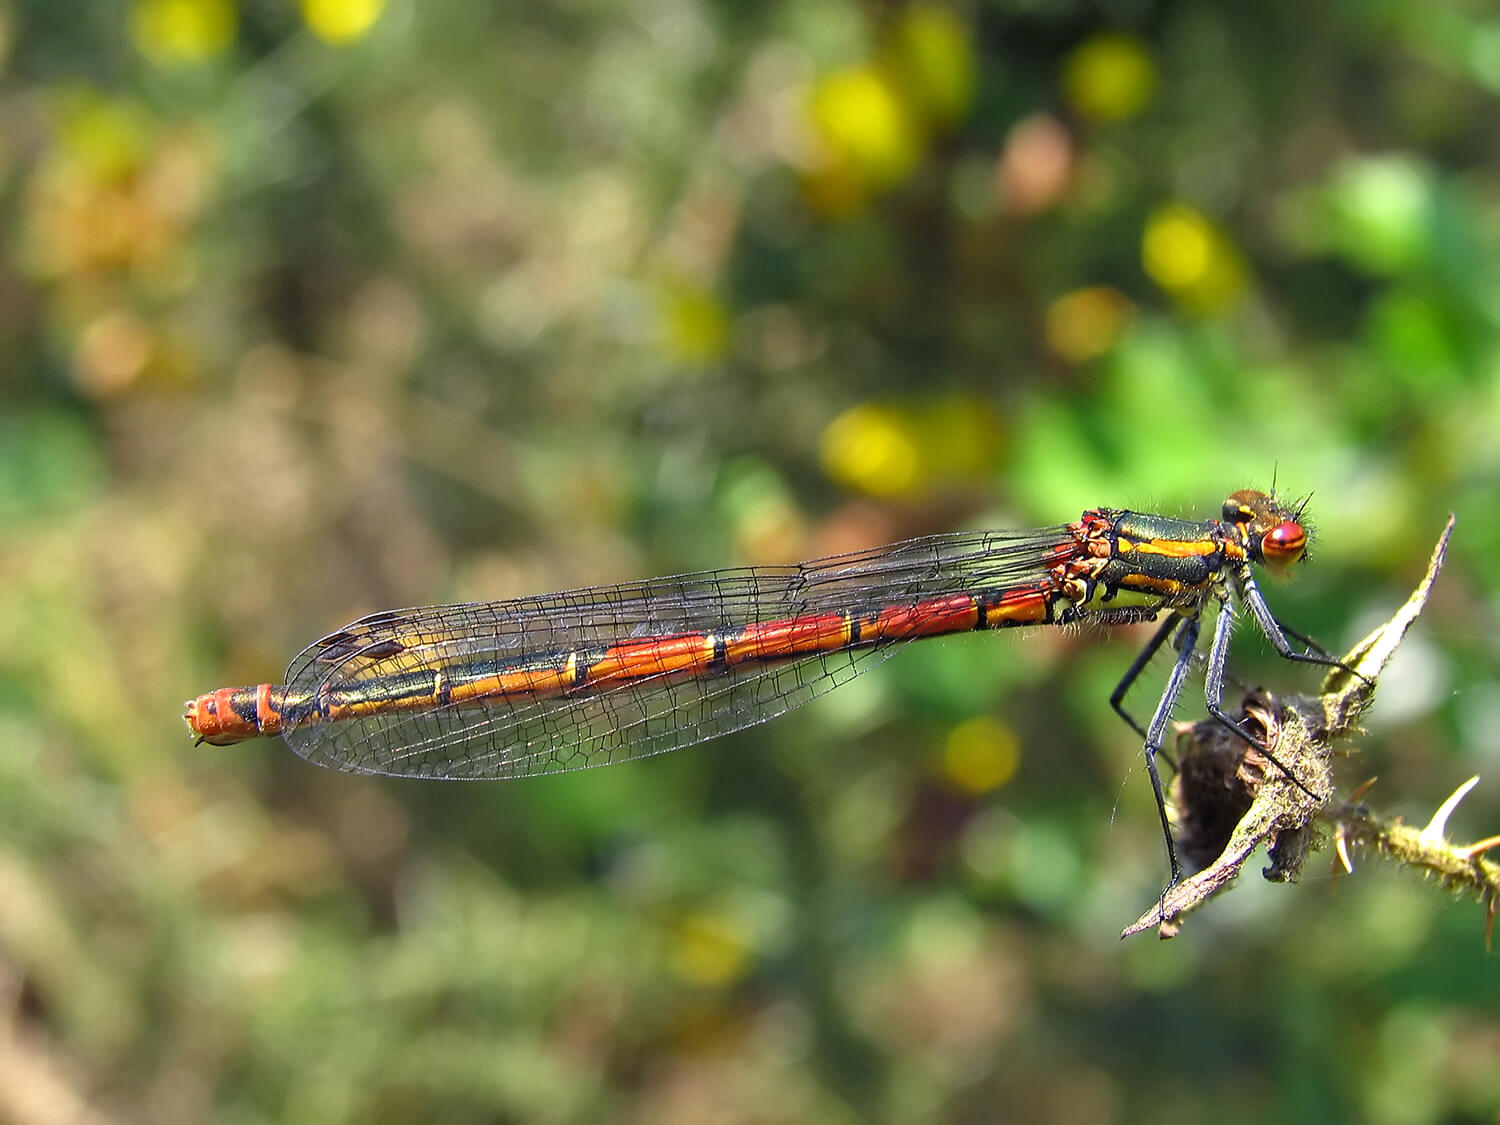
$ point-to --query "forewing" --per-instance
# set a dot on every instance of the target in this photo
(518, 736)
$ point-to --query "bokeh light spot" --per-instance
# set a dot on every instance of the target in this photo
(1189, 257)
(959, 437)
(1086, 323)
(709, 949)
(872, 448)
(1383, 211)
(981, 755)
(1178, 247)
(112, 352)
(341, 21)
(933, 52)
(1109, 78)
(695, 326)
(182, 32)
(1035, 165)
(863, 124)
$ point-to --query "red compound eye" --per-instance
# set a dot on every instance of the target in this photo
(1283, 544)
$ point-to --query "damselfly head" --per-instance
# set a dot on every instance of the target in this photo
(1273, 534)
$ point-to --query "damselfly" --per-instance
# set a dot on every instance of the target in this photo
(607, 674)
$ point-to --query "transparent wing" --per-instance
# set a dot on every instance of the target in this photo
(519, 736)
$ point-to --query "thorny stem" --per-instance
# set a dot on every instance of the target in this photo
(1459, 867)
(1230, 799)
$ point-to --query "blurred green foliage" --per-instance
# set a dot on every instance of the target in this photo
(313, 309)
